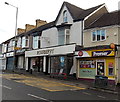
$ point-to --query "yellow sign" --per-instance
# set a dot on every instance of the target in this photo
(95, 53)
(17, 48)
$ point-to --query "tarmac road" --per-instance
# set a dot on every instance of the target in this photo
(12, 90)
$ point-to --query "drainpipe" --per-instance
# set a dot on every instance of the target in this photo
(82, 29)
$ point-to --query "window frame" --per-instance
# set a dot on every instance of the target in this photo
(97, 34)
(36, 41)
(26, 41)
(65, 36)
(65, 17)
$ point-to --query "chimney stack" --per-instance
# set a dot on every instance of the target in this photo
(40, 22)
(20, 31)
(29, 27)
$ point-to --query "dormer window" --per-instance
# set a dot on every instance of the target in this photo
(65, 16)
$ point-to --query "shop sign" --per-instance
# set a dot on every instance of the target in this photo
(49, 51)
(20, 51)
(10, 54)
(80, 53)
(101, 53)
(84, 53)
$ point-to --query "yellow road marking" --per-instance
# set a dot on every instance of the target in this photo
(42, 83)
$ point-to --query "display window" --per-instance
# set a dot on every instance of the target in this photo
(87, 64)
(110, 69)
(61, 64)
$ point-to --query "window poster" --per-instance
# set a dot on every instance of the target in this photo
(62, 61)
(87, 64)
(110, 68)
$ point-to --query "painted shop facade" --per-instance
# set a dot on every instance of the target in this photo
(96, 61)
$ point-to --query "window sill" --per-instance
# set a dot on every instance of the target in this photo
(98, 41)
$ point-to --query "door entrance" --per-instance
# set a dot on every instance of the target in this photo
(100, 68)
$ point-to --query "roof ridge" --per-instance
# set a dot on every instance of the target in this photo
(95, 6)
(65, 2)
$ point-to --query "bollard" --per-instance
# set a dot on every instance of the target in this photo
(118, 89)
(30, 71)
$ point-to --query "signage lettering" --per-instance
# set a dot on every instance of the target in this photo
(20, 51)
(50, 51)
(101, 53)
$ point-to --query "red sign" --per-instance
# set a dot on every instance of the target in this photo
(80, 53)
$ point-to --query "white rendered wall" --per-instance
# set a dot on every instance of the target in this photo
(49, 37)
(76, 33)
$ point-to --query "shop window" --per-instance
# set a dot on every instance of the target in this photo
(58, 64)
(98, 35)
(87, 64)
(110, 69)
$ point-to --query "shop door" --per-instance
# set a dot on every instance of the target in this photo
(100, 68)
(10, 63)
(47, 64)
(41, 64)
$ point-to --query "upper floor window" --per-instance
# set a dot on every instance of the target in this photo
(24, 41)
(98, 35)
(19, 42)
(65, 16)
(4, 48)
(63, 36)
(10, 45)
(35, 42)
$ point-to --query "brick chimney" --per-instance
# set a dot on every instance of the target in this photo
(20, 31)
(29, 27)
(40, 22)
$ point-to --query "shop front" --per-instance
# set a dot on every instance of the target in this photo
(20, 59)
(10, 61)
(58, 59)
(96, 62)
(61, 64)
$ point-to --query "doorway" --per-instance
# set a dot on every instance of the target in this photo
(101, 68)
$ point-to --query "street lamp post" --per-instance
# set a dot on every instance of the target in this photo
(15, 29)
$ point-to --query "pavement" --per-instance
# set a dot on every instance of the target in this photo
(73, 83)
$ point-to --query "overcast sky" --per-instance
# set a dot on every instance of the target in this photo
(30, 10)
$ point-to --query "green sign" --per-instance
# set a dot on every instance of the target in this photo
(87, 73)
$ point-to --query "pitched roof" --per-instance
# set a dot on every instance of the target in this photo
(41, 28)
(78, 13)
(74, 10)
(107, 19)
(87, 12)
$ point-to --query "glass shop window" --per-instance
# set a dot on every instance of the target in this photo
(110, 69)
(87, 64)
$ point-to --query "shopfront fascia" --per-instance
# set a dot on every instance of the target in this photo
(96, 62)
(47, 56)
